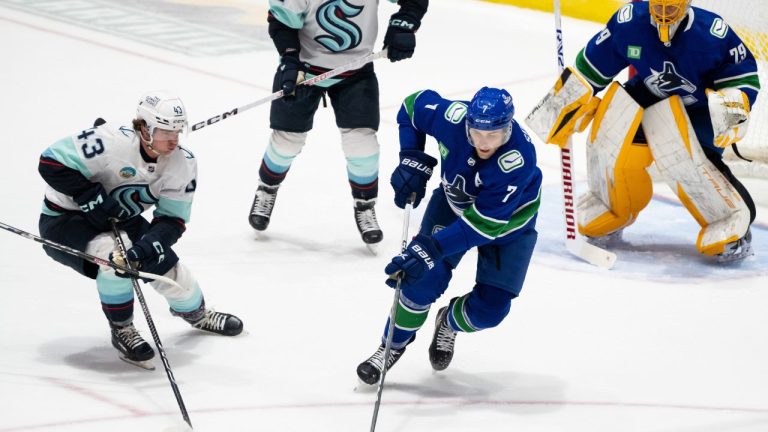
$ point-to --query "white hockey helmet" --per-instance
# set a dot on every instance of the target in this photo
(163, 110)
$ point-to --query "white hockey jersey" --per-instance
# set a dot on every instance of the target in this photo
(111, 156)
(331, 32)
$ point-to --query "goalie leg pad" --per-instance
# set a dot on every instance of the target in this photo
(709, 197)
(619, 186)
(567, 108)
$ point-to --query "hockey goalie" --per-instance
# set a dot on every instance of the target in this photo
(690, 99)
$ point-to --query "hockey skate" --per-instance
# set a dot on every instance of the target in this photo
(738, 250)
(263, 203)
(132, 347)
(211, 321)
(367, 225)
(369, 371)
(613, 239)
(443, 341)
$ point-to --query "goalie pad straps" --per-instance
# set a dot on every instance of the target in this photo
(702, 188)
(567, 108)
(619, 185)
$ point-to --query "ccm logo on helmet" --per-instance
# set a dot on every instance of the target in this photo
(419, 166)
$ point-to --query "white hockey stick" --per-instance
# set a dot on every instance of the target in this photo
(574, 242)
(356, 64)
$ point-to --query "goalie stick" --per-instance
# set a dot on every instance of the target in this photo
(356, 64)
(574, 243)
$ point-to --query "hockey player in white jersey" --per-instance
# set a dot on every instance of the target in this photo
(312, 37)
(107, 173)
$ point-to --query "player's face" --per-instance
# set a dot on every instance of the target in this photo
(165, 141)
(486, 142)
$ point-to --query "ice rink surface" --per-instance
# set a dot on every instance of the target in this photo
(664, 342)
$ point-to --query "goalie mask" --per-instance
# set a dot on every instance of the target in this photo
(668, 14)
(490, 109)
(162, 110)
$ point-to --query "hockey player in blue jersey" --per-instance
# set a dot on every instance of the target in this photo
(107, 173)
(312, 37)
(690, 98)
(488, 199)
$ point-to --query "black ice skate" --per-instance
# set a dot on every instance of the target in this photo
(369, 371)
(365, 218)
(132, 347)
(443, 340)
(738, 250)
(211, 321)
(263, 203)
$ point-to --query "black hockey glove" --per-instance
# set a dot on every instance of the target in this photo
(98, 207)
(288, 73)
(146, 252)
(421, 256)
(400, 40)
(412, 175)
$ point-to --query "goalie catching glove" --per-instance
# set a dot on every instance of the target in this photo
(567, 108)
(729, 110)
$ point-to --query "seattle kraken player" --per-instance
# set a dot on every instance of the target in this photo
(312, 37)
(109, 172)
(690, 98)
(488, 199)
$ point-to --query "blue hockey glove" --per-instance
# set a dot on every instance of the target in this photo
(288, 73)
(421, 256)
(400, 40)
(412, 175)
(98, 207)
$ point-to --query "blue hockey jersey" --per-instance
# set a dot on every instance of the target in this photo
(494, 198)
(704, 53)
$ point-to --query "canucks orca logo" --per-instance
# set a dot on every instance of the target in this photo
(456, 192)
(333, 17)
(131, 197)
(663, 84)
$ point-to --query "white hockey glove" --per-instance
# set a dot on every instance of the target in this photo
(729, 110)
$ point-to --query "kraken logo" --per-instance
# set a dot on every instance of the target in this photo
(333, 17)
(131, 198)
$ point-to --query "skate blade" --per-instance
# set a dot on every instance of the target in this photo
(364, 387)
(148, 365)
(373, 248)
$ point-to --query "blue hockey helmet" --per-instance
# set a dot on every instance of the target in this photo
(490, 109)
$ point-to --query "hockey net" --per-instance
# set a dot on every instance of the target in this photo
(749, 18)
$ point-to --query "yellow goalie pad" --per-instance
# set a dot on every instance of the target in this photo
(701, 187)
(619, 185)
(567, 108)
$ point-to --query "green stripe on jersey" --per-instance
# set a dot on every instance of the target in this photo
(590, 72)
(494, 228)
(458, 315)
(749, 80)
(409, 102)
(409, 319)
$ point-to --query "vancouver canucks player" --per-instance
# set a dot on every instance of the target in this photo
(488, 199)
(690, 98)
(117, 172)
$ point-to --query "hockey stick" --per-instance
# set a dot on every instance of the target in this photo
(392, 313)
(152, 329)
(574, 242)
(356, 64)
(88, 257)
